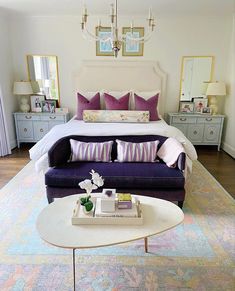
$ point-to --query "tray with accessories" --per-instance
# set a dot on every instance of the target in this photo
(133, 216)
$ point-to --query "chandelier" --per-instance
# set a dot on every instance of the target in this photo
(115, 39)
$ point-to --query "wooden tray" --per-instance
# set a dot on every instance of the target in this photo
(80, 217)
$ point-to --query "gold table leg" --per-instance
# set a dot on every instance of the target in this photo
(146, 244)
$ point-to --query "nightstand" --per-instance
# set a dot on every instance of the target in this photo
(200, 129)
(31, 127)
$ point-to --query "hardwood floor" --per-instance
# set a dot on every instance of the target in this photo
(219, 164)
(10, 165)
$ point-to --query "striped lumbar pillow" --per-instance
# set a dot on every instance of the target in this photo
(92, 151)
(137, 152)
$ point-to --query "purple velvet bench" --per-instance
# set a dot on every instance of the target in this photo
(148, 179)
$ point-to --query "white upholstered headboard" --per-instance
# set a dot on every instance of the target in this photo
(115, 75)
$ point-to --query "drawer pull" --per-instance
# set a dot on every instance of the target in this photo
(208, 119)
(52, 117)
(41, 130)
(211, 132)
(28, 117)
(195, 132)
(25, 129)
(183, 119)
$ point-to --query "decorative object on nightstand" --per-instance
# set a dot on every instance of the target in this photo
(215, 89)
(23, 88)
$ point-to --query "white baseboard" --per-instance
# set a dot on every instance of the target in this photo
(228, 149)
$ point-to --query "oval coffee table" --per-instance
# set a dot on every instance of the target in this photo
(55, 227)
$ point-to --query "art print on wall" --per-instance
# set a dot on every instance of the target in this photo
(132, 47)
(104, 48)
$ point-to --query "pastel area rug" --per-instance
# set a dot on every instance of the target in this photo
(196, 255)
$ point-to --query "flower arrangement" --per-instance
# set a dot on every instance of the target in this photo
(94, 183)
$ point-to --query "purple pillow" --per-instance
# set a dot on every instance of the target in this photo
(150, 105)
(84, 104)
(111, 103)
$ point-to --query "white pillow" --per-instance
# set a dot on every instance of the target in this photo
(118, 94)
(146, 94)
(88, 94)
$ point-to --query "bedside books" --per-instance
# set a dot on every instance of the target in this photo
(132, 212)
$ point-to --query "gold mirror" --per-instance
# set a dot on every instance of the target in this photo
(196, 72)
(43, 74)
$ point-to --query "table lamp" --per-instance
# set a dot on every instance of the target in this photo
(213, 90)
(23, 88)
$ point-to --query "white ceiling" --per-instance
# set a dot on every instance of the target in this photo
(126, 7)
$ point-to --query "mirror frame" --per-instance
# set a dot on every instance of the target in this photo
(182, 70)
(57, 71)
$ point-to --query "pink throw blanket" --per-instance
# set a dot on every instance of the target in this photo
(170, 151)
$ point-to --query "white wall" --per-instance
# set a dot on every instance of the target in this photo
(174, 37)
(6, 76)
(229, 133)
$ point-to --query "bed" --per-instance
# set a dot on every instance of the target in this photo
(118, 76)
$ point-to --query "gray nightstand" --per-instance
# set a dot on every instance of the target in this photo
(200, 129)
(31, 127)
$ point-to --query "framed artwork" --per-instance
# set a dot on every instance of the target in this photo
(48, 106)
(186, 107)
(199, 104)
(35, 102)
(131, 47)
(104, 48)
(206, 110)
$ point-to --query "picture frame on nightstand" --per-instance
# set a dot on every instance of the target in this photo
(48, 106)
(199, 104)
(206, 110)
(186, 107)
(35, 102)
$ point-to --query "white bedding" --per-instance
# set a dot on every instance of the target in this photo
(39, 151)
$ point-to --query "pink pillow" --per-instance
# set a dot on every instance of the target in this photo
(150, 105)
(111, 103)
(84, 104)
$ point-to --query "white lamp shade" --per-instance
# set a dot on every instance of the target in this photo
(22, 88)
(216, 89)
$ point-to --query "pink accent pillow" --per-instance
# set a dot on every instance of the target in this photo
(111, 103)
(91, 151)
(84, 104)
(150, 105)
(137, 152)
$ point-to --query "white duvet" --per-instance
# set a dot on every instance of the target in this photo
(38, 152)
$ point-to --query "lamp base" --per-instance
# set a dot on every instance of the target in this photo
(24, 106)
(213, 105)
